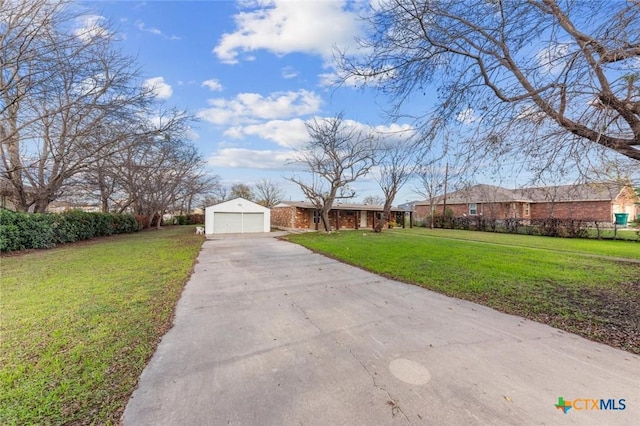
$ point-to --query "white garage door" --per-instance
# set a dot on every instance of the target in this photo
(253, 222)
(229, 223)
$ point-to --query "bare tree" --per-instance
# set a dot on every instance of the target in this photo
(100, 182)
(116, 181)
(241, 190)
(543, 78)
(268, 193)
(219, 194)
(438, 173)
(154, 174)
(373, 200)
(399, 159)
(198, 188)
(336, 155)
(430, 185)
(67, 99)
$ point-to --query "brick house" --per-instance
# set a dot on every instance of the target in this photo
(592, 201)
(65, 206)
(304, 215)
(6, 195)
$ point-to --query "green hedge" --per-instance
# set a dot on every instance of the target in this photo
(20, 231)
(189, 219)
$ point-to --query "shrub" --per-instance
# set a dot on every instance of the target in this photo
(552, 227)
(567, 228)
(20, 231)
(196, 219)
(189, 219)
(142, 220)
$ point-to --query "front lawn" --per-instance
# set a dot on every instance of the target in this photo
(79, 323)
(584, 286)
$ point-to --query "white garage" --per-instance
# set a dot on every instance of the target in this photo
(237, 216)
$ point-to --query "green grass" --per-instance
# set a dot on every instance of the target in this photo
(79, 323)
(582, 286)
(614, 248)
(629, 234)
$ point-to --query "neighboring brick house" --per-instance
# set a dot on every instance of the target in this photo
(65, 206)
(6, 195)
(304, 215)
(593, 201)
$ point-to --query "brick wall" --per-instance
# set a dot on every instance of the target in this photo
(625, 203)
(596, 210)
(347, 219)
(422, 212)
(301, 218)
(283, 217)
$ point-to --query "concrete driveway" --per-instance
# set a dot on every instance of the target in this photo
(269, 333)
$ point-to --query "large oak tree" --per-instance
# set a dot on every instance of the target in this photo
(337, 154)
(549, 79)
(68, 99)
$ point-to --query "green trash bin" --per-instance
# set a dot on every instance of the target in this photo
(621, 218)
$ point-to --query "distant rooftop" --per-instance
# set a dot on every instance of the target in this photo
(338, 206)
(494, 194)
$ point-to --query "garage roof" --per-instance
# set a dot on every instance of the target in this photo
(238, 205)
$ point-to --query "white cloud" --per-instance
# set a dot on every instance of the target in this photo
(155, 31)
(159, 88)
(395, 129)
(213, 85)
(89, 27)
(284, 26)
(251, 159)
(289, 72)
(248, 107)
(467, 116)
(532, 114)
(552, 59)
(294, 134)
(367, 77)
(91, 85)
(286, 133)
(192, 135)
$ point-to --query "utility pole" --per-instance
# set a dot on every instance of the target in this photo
(446, 178)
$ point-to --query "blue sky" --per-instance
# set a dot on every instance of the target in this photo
(253, 72)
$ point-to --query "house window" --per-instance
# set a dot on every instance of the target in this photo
(473, 208)
(316, 216)
(527, 209)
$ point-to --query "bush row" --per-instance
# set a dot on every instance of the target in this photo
(20, 231)
(188, 219)
(552, 227)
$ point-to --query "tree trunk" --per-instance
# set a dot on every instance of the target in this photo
(432, 212)
(150, 220)
(104, 195)
(11, 157)
(324, 214)
(386, 212)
